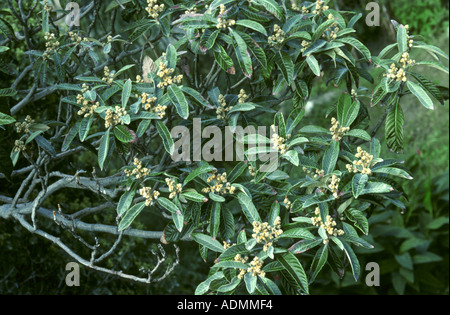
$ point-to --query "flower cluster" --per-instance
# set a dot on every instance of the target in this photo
(331, 32)
(75, 38)
(221, 185)
(24, 126)
(190, 11)
(47, 7)
(405, 60)
(252, 170)
(410, 41)
(223, 109)
(150, 197)
(287, 203)
(19, 146)
(264, 233)
(316, 174)
(320, 7)
(242, 97)
(337, 131)
(255, 266)
(243, 260)
(328, 225)
(174, 188)
(88, 108)
(278, 143)
(138, 170)
(108, 76)
(113, 117)
(153, 9)
(278, 37)
(363, 164)
(165, 74)
(221, 22)
(397, 74)
(303, 9)
(305, 45)
(334, 185)
(148, 104)
(51, 44)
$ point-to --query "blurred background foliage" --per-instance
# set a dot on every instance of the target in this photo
(411, 247)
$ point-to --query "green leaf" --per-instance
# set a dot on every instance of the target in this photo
(286, 66)
(6, 119)
(126, 92)
(215, 219)
(421, 95)
(272, 7)
(347, 110)
(292, 157)
(354, 263)
(168, 205)
(358, 183)
(319, 261)
(295, 270)
(376, 188)
(394, 128)
(242, 54)
(122, 134)
(7, 92)
(402, 39)
(125, 201)
(298, 233)
(231, 286)
(250, 282)
(359, 219)
(203, 287)
(358, 133)
(313, 65)
(207, 241)
(198, 171)
(231, 264)
(252, 25)
(166, 137)
(330, 157)
(224, 60)
(85, 127)
(130, 215)
(177, 97)
(194, 196)
(365, 52)
(103, 149)
(248, 207)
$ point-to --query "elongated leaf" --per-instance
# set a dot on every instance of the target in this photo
(198, 171)
(6, 119)
(126, 92)
(166, 137)
(402, 40)
(252, 25)
(248, 208)
(394, 128)
(103, 149)
(286, 66)
(298, 233)
(130, 215)
(359, 219)
(330, 157)
(295, 270)
(122, 134)
(208, 242)
(179, 100)
(358, 183)
(421, 95)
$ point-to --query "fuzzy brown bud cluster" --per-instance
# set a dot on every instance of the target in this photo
(75, 38)
(221, 22)
(149, 104)
(396, 74)
(242, 97)
(19, 146)
(334, 185)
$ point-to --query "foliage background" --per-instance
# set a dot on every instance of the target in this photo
(411, 248)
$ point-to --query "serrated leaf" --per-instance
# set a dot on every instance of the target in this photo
(166, 137)
(208, 242)
(177, 97)
(130, 215)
